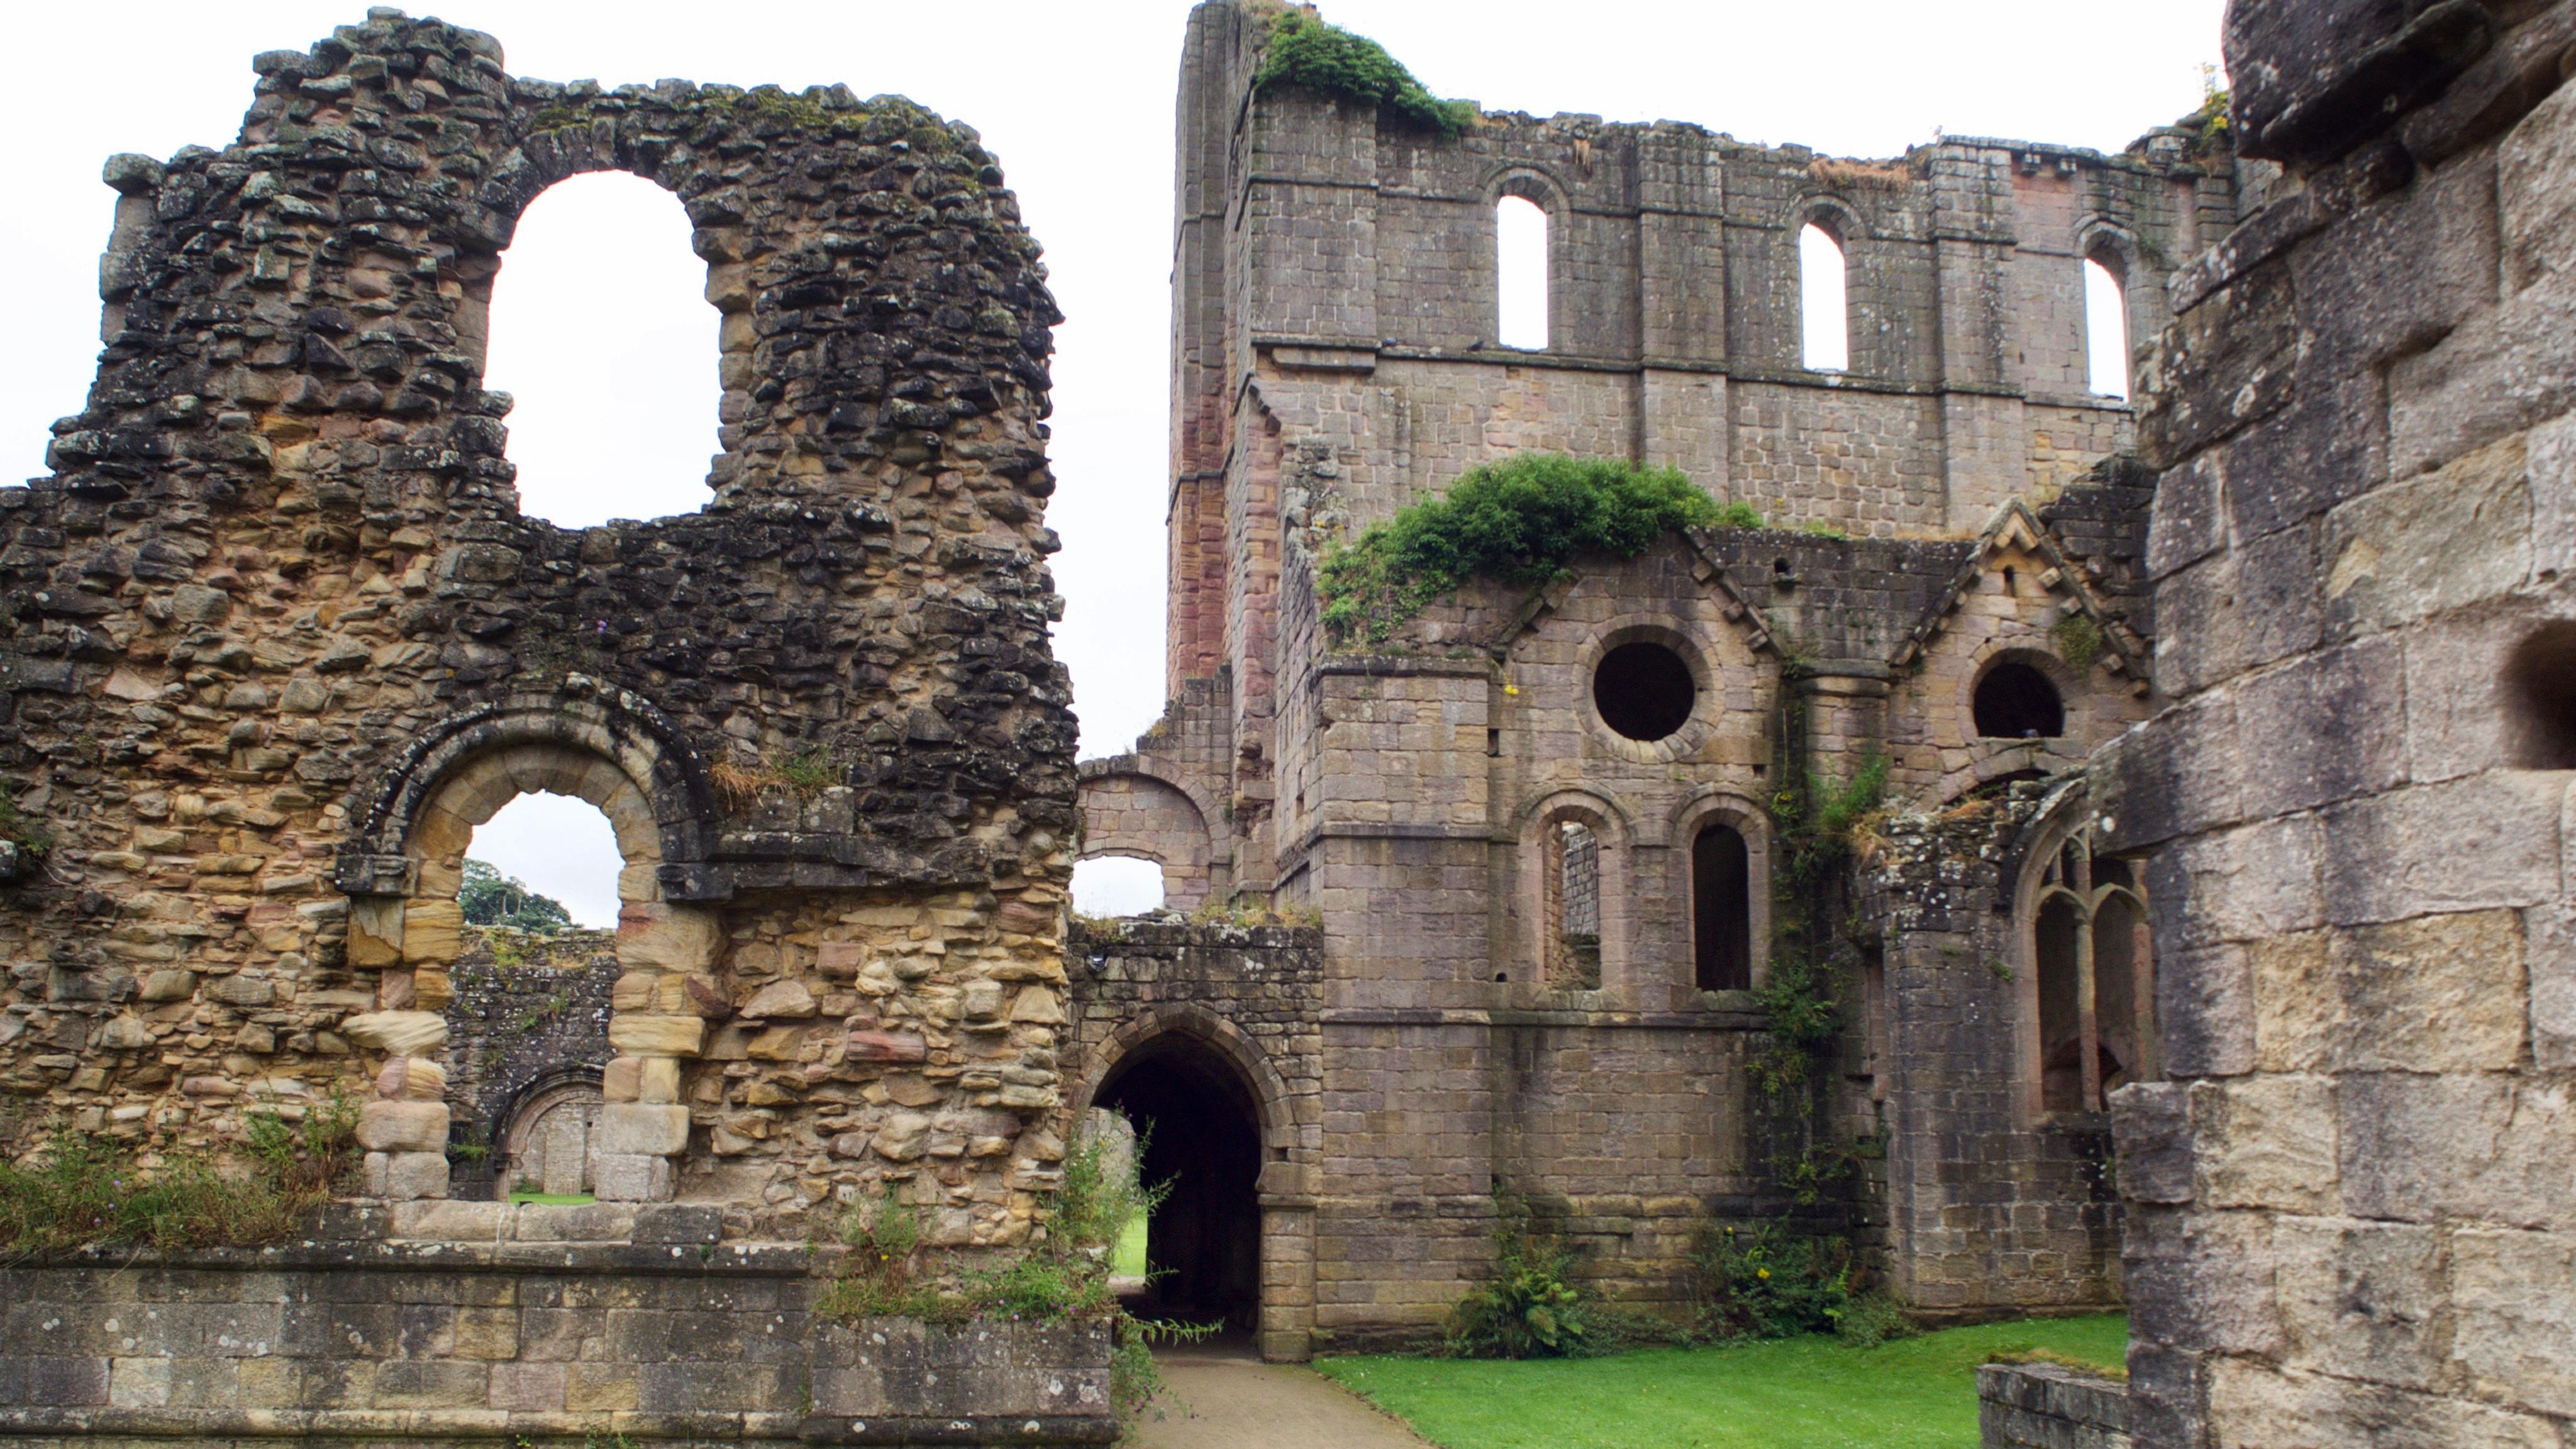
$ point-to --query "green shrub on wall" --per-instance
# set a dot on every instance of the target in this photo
(1518, 521)
(1305, 51)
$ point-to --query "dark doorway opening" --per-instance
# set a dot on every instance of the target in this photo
(1644, 691)
(1722, 910)
(2016, 702)
(1202, 1134)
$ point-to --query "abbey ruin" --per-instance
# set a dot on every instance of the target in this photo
(2194, 932)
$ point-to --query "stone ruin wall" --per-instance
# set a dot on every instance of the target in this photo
(279, 639)
(2350, 1216)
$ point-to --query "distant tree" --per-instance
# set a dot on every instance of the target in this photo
(493, 899)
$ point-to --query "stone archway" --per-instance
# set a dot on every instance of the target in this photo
(590, 745)
(1240, 1239)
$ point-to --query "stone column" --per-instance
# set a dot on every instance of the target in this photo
(403, 1126)
(662, 1001)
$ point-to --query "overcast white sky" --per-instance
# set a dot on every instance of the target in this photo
(1076, 100)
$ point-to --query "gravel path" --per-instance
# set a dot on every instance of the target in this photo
(1220, 1401)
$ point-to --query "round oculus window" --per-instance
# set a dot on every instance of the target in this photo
(1644, 691)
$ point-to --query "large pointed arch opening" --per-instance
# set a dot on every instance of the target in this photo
(1199, 1123)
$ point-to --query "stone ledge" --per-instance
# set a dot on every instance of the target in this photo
(755, 1260)
(93, 1426)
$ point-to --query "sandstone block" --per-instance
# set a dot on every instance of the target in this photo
(2514, 1294)
(776, 1044)
(621, 1080)
(840, 960)
(375, 931)
(404, 1176)
(401, 1033)
(888, 1048)
(2536, 191)
(1038, 1006)
(2360, 1300)
(634, 991)
(632, 1177)
(414, 1079)
(659, 1080)
(2266, 1142)
(387, 1126)
(657, 1036)
(674, 938)
(2438, 993)
(432, 988)
(2487, 840)
(123, 1033)
(779, 999)
(168, 986)
(643, 1129)
(534, 1388)
(904, 1137)
(432, 931)
(2550, 935)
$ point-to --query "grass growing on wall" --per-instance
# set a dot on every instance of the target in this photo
(1811, 1392)
(83, 1191)
(1518, 521)
(1307, 52)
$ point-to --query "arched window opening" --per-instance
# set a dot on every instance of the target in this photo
(2106, 330)
(2092, 956)
(2540, 692)
(1520, 273)
(1117, 885)
(542, 859)
(1574, 907)
(1644, 691)
(600, 330)
(2017, 702)
(1823, 308)
(1722, 910)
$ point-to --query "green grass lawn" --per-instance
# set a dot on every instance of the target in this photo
(1798, 1393)
(559, 1199)
(1130, 1262)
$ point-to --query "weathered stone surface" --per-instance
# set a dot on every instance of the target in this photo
(643, 1130)
(779, 999)
(393, 1126)
(2450, 538)
(2266, 1142)
(397, 1033)
(430, 933)
(664, 1036)
(2437, 993)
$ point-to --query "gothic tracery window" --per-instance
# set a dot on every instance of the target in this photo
(2095, 977)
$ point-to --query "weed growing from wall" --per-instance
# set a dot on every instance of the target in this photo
(2079, 640)
(83, 1191)
(891, 1270)
(1518, 521)
(1304, 51)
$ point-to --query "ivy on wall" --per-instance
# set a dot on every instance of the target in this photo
(1305, 51)
(1518, 521)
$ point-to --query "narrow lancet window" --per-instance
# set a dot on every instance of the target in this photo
(1520, 280)
(1721, 910)
(1574, 915)
(1822, 307)
(2106, 331)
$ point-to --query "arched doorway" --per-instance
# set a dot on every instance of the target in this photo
(1201, 1126)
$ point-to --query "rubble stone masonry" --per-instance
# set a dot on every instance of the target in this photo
(278, 639)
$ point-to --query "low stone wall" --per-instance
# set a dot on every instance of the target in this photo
(2043, 1406)
(437, 1322)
